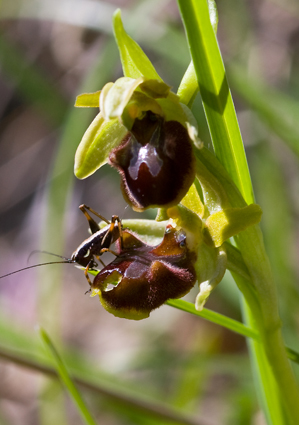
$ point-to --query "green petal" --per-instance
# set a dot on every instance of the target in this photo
(125, 100)
(155, 88)
(134, 61)
(207, 286)
(115, 98)
(142, 103)
(229, 222)
(88, 100)
(98, 140)
(173, 110)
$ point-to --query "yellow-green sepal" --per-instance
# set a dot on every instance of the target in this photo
(99, 139)
(172, 109)
(134, 61)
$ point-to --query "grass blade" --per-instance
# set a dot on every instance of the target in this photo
(67, 381)
(215, 93)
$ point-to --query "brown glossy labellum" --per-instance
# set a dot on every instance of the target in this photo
(155, 161)
(142, 277)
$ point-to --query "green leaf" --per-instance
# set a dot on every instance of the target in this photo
(215, 93)
(134, 61)
(188, 88)
(91, 378)
(213, 14)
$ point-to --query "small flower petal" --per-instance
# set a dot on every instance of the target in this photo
(114, 100)
(88, 100)
(216, 277)
(155, 88)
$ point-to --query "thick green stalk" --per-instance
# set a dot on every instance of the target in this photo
(260, 295)
(263, 312)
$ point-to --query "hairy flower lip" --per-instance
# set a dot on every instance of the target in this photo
(145, 276)
(156, 163)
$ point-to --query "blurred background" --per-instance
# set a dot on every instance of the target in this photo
(50, 51)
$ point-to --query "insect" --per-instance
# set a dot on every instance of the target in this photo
(92, 247)
(98, 243)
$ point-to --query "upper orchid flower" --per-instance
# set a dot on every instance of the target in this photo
(142, 129)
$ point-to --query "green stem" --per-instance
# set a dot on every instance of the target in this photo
(227, 322)
(217, 318)
(260, 293)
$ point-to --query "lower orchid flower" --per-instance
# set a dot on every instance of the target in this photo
(143, 277)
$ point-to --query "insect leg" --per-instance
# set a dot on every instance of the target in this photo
(94, 227)
(113, 233)
(100, 260)
(108, 250)
(113, 220)
(86, 273)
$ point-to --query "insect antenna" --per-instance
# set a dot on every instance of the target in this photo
(37, 251)
(37, 265)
